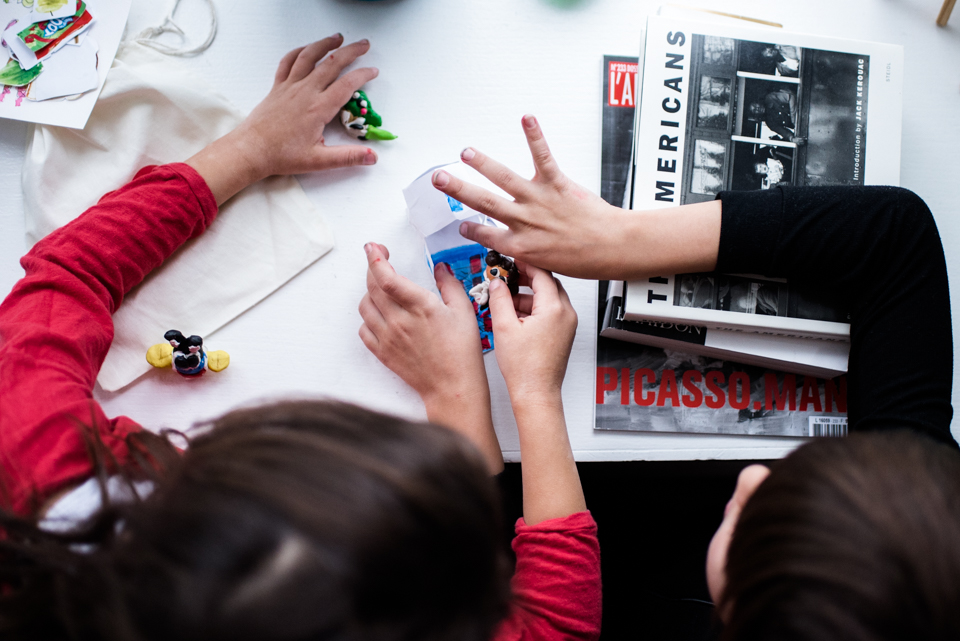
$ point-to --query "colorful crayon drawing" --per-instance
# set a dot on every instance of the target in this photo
(467, 263)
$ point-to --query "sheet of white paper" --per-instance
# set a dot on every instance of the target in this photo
(449, 237)
(111, 16)
(67, 73)
(430, 210)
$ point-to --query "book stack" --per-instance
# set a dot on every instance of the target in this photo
(714, 106)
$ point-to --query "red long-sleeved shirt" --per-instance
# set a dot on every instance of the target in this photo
(56, 328)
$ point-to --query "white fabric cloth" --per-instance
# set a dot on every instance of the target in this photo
(154, 111)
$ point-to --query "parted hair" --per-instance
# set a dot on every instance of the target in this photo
(855, 539)
(292, 521)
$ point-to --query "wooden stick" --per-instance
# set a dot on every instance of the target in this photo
(945, 12)
(748, 19)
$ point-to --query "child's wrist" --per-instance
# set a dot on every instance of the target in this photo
(536, 401)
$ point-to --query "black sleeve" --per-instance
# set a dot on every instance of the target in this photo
(877, 249)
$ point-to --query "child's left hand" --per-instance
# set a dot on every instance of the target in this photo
(433, 345)
(284, 133)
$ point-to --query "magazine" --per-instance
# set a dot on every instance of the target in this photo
(825, 359)
(728, 107)
(684, 392)
(800, 356)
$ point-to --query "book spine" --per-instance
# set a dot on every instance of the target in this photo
(736, 303)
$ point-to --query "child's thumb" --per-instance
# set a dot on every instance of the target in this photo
(502, 312)
(451, 289)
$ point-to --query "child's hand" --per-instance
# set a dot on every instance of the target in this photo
(284, 133)
(285, 130)
(558, 225)
(533, 335)
(554, 223)
(433, 345)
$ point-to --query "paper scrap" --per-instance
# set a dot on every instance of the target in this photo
(44, 38)
(45, 10)
(13, 76)
(67, 75)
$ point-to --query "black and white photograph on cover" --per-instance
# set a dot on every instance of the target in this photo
(768, 114)
(749, 295)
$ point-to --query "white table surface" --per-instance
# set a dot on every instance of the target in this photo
(455, 73)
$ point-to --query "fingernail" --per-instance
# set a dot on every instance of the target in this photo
(468, 154)
(441, 178)
(529, 121)
(370, 158)
(364, 42)
(368, 248)
(464, 228)
(495, 284)
(338, 35)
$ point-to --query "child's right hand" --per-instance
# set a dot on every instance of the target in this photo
(533, 334)
(433, 344)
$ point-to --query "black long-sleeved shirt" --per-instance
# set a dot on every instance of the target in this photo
(877, 249)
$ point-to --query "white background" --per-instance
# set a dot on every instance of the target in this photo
(455, 73)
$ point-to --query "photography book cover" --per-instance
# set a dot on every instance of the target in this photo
(725, 107)
(643, 388)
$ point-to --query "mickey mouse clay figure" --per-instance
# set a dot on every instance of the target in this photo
(186, 355)
(498, 266)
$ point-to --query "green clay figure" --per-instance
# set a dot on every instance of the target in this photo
(361, 120)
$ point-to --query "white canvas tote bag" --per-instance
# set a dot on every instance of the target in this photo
(154, 111)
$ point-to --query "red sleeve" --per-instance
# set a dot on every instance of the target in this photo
(556, 586)
(56, 326)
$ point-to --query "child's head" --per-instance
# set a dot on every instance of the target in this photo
(293, 521)
(855, 538)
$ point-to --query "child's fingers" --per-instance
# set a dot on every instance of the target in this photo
(333, 65)
(488, 236)
(370, 340)
(543, 284)
(389, 282)
(477, 198)
(344, 156)
(371, 315)
(451, 289)
(310, 55)
(564, 297)
(547, 167)
(498, 173)
(339, 93)
(523, 303)
(502, 313)
(286, 63)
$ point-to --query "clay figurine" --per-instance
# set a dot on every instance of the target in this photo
(498, 266)
(186, 355)
(361, 121)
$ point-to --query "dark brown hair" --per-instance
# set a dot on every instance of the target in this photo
(300, 520)
(855, 539)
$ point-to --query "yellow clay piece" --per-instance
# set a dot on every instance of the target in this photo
(160, 355)
(217, 361)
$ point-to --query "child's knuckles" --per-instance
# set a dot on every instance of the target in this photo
(486, 203)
